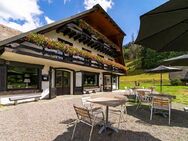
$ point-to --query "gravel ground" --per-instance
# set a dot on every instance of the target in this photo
(47, 120)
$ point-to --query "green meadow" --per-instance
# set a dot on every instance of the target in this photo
(147, 80)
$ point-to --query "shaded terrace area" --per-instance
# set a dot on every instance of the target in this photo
(48, 120)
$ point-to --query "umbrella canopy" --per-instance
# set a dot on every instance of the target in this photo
(166, 27)
(163, 69)
(177, 61)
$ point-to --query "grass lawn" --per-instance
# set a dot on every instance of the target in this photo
(148, 80)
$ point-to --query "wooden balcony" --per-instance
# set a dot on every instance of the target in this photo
(31, 49)
(75, 32)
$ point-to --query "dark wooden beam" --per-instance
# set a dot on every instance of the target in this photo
(1, 50)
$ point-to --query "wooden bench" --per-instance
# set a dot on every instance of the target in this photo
(24, 97)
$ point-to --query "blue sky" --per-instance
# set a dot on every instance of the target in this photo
(34, 13)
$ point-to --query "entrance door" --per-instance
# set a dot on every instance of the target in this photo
(107, 81)
(114, 82)
(62, 82)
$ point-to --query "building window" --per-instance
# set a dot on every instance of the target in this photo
(22, 78)
(90, 79)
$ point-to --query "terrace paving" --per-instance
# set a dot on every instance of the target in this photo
(47, 120)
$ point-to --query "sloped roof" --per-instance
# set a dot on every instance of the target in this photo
(7, 32)
(83, 15)
(108, 27)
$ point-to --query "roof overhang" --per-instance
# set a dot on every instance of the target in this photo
(109, 28)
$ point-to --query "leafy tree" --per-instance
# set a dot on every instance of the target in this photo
(150, 58)
(146, 58)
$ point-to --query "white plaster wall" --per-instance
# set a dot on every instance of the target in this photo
(78, 79)
(45, 84)
(101, 81)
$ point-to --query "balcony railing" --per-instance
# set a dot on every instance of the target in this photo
(31, 49)
(75, 32)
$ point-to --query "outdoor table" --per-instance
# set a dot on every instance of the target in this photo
(108, 102)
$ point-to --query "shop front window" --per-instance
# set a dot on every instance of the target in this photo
(90, 79)
(22, 78)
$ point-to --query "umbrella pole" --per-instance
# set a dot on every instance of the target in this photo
(161, 82)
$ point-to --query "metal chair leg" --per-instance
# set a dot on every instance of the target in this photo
(169, 116)
(151, 113)
(74, 130)
(91, 133)
(138, 105)
(119, 120)
(125, 113)
(123, 109)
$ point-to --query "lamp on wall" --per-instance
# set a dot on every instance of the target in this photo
(27, 79)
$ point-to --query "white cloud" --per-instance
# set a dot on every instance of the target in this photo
(106, 4)
(49, 1)
(65, 1)
(48, 20)
(23, 15)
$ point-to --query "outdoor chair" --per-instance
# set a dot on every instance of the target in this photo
(121, 111)
(132, 94)
(86, 117)
(90, 106)
(152, 88)
(143, 97)
(131, 91)
(161, 103)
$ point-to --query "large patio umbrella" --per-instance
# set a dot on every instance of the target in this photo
(162, 69)
(177, 61)
(166, 27)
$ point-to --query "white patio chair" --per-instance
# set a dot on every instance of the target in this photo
(90, 106)
(120, 111)
(132, 92)
(143, 97)
(161, 103)
(86, 117)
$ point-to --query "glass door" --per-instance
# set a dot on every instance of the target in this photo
(66, 82)
(62, 82)
(114, 82)
(107, 82)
